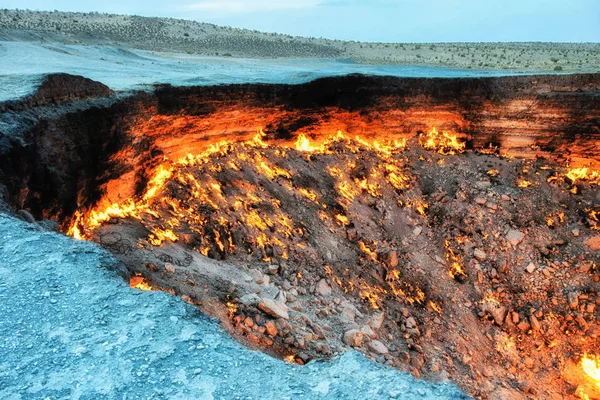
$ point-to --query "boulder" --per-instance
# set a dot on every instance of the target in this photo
(323, 288)
(593, 243)
(274, 308)
(353, 337)
(514, 236)
(377, 347)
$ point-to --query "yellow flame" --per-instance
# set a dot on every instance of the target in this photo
(523, 183)
(583, 174)
(303, 144)
(444, 143)
(591, 366)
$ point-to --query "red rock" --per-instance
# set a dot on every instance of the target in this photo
(593, 243)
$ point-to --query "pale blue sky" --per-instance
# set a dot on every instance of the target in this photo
(371, 20)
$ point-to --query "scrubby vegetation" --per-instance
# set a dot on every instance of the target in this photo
(178, 35)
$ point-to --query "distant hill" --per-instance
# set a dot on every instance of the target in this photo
(185, 36)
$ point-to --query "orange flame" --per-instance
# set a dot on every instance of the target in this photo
(139, 282)
(444, 143)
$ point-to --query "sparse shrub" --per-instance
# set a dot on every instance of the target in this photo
(558, 68)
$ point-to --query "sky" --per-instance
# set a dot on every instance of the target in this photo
(371, 20)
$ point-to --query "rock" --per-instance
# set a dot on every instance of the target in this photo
(49, 225)
(480, 200)
(514, 236)
(257, 276)
(26, 216)
(515, 317)
(170, 267)
(530, 268)
(274, 308)
(525, 386)
(575, 232)
(353, 337)
(497, 311)
(417, 231)
(523, 326)
(505, 197)
(479, 255)
(593, 243)
(573, 298)
(281, 296)
(368, 331)
(271, 329)
(352, 234)
(376, 321)
(535, 324)
(410, 322)
(347, 315)
(378, 347)
(251, 299)
(323, 288)
(272, 269)
(391, 259)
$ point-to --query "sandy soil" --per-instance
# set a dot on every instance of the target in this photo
(162, 34)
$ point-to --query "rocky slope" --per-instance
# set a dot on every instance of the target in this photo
(73, 329)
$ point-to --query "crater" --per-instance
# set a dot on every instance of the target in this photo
(445, 227)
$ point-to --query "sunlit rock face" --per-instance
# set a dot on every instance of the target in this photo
(420, 221)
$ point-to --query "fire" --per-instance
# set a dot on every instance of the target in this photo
(591, 366)
(444, 143)
(158, 236)
(342, 219)
(139, 282)
(291, 359)
(583, 174)
(238, 199)
(523, 183)
(372, 254)
(456, 270)
(303, 144)
(231, 308)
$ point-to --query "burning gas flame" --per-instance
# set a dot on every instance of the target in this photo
(523, 183)
(583, 174)
(303, 144)
(139, 282)
(443, 143)
(591, 366)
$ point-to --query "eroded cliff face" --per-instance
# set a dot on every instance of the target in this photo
(313, 218)
(62, 144)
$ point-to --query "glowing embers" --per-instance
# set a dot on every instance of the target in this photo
(443, 143)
